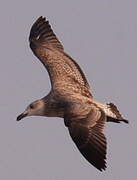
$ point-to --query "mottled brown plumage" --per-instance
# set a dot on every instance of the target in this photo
(70, 97)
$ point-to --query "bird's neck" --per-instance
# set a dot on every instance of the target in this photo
(52, 107)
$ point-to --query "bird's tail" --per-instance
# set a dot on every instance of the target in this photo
(112, 113)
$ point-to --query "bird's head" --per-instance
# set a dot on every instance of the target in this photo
(36, 108)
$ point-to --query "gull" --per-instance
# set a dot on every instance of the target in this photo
(70, 97)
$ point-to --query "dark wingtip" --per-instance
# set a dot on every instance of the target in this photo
(39, 28)
(41, 32)
(103, 168)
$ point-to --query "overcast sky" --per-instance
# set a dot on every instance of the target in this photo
(101, 35)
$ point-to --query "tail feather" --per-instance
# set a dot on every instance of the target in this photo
(113, 114)
(110, 119)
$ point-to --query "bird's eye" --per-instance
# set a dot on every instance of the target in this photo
(31, 106)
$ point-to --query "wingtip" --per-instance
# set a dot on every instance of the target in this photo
(41, 32)
(102, 167)
(41, 18)
(37, 28)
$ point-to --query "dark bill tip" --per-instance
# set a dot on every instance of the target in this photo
(21, 116)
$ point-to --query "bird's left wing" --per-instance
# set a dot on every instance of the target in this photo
(87, 133)
(65, 74)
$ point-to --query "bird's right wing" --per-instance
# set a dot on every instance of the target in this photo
(87, 133)
(65, 74)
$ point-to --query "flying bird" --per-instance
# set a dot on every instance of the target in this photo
(70, 97)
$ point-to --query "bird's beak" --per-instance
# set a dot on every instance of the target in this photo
(21, 116)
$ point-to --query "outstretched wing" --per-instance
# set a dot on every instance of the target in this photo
(89, 138)
(64, 72)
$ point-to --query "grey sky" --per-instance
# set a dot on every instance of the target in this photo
(102, 37)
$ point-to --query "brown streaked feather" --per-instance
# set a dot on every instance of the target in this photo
(89, 138)
(65, 74)
(78, 67)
